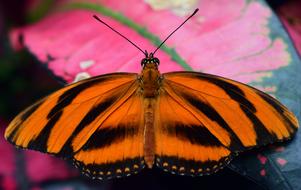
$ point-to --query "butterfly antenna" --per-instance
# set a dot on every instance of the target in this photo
(195, 11)
(97, 18)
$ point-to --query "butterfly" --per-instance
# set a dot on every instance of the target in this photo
(187, 123)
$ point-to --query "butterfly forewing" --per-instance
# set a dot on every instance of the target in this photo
(202, 120)
(98, 123)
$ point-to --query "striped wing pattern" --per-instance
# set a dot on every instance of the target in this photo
(203, 120)
(97, 123)
(200, 122)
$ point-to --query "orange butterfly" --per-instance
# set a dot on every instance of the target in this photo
(186, 123)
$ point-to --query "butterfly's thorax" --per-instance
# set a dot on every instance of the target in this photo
(150, 78)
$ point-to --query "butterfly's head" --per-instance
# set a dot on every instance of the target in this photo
(150, 60)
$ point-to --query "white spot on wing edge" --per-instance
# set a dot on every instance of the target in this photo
(86, 64)
(81, 76)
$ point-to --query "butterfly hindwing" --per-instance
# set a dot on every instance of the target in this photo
(205, 119)
(183, 144)
(89, 122)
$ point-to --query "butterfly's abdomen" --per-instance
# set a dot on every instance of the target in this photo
(150, 81)
(149, 132)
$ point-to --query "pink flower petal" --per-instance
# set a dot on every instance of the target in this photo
(7, 162)
(290, 15)
(217, 39)
(219, 43)
(279, 149)
(262, 158)
(15, 39)
(263, 172)
(281, 161)
(42, 167)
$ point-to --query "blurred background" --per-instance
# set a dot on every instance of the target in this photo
(30, 68)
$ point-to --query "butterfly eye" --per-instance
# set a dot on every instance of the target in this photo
(143, 62)
(156, 60)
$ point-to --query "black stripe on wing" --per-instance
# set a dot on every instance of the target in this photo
(198, 135)
(237, 94)
(68, 96)
(281, 110)
(40, 142)
(212, 114)
(89, 117)
(104, 137)
(23, 117)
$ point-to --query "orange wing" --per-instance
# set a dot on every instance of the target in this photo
(98, 123)
(202, 120)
